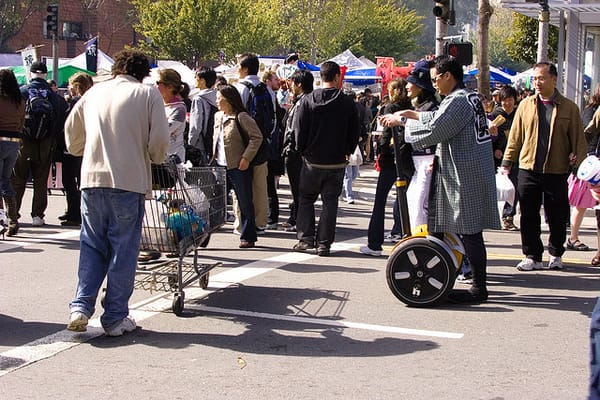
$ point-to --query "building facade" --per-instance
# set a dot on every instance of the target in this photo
(579, 40)
(79, 21)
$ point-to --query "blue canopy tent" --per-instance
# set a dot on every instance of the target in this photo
(497, 76)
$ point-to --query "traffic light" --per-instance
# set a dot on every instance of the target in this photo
(462, 52)
(442, 9)
(52, 20)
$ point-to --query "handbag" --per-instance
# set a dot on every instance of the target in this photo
(264, 151)
(356, 157)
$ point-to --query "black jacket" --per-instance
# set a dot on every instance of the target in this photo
(327, 127)
(59, 105)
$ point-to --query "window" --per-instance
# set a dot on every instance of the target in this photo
(72, 30)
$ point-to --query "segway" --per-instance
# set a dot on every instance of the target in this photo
(422, 268)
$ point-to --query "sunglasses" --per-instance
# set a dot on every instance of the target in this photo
(434, 79)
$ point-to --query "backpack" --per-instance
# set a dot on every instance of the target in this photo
(39, 113)
(260, 107)
(264, 151)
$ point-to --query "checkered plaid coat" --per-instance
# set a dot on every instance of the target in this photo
(463, 194)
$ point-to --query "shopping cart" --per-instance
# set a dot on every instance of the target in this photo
(187, 204)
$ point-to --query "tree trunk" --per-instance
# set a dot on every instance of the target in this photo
(483, 60)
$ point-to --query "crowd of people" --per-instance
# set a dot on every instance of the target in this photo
(269, 123)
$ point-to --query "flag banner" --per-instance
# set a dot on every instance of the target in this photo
(383, 69)
(29, 56)
(91, 55)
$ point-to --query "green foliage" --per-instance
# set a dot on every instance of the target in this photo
(522, 42)
(13, 13)
(498, 35)
(191, 30)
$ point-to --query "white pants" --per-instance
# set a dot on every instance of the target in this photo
(417, 194)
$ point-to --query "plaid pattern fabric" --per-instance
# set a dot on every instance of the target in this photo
(463, 194)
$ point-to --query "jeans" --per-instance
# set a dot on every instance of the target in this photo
(509, 210)
(551, 190)
(9, 151)
(595, 353)
(315, 182)
(242, 186)
(110, 242)
(71, 177)
(350, 175)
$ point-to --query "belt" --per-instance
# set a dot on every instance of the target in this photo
(9, 139)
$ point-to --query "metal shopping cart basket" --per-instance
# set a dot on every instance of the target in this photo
(187, 204)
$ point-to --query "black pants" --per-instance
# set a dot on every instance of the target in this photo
(293, 165)
(328, 184)
(71, 178)
(551, 190)
(273, 217)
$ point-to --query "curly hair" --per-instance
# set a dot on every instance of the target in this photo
(9, 87)
(131, 62)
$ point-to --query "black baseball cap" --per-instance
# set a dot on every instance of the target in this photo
(38, 67)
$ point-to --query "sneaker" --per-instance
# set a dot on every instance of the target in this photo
(555, 263)
(69, 222)
(126, 325)
(78, 322)
(38, 221)
(529, 264)
(303, 246)
(508, 225)
(370, 252)
(350, 201)
(391, 238)
(272, 226)
(291, 228)
(260, 230)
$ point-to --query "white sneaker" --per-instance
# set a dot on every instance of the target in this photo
(527, 264)
(555, 263)
(370, 252)
(38, 221)
(78, 322)
(126, 325)
(3, 218)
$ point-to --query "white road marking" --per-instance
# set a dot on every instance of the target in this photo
(46, 347)
(328, 322)
(6, 245)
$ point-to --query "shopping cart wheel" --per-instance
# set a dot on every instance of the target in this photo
(178, 304)
(420, 272)
(203, 281)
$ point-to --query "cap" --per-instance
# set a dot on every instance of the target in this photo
(38, 67)
(420, 77)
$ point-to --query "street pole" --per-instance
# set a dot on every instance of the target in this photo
(544, 26)
(55, 57)
(441, 31)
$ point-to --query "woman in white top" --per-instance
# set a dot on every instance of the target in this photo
(170, 87)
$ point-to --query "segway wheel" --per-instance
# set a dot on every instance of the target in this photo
(420, 272)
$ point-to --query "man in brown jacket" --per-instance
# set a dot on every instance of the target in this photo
(546, 138)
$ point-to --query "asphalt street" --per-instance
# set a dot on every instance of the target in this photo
(274, 324)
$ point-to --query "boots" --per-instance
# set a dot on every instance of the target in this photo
(13, 215)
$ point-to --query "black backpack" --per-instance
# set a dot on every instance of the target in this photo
(260, 107)
(39, 113)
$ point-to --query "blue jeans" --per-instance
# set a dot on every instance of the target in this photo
(242, 186)
(9, 151)
(111, 229)
(349, 177)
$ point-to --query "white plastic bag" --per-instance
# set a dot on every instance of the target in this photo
(356, 157)
(505, 190)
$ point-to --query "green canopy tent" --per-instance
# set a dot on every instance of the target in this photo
(64, 73)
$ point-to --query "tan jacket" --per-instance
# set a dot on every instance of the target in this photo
(566, 136)
(119, 126)
(232, 139)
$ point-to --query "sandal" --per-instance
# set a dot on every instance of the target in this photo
(595, 261)
(576, 245)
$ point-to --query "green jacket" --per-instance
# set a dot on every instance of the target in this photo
(566, 136)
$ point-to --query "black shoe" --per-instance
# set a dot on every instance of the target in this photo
(63, 217)
(467, 297)
(303, 246)
(323, 251)
(69, 222)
